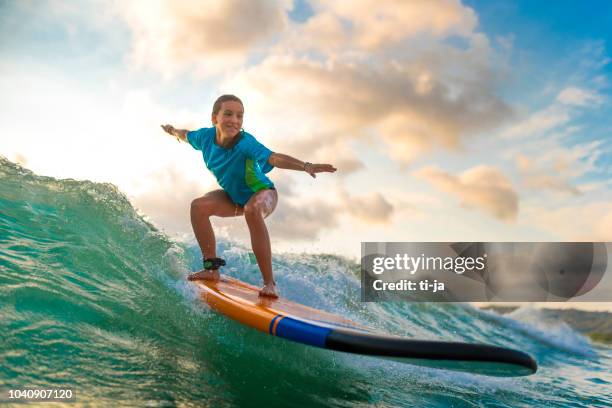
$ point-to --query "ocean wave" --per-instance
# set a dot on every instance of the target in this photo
(94, 295)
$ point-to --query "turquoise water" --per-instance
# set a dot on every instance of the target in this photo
(94, 297)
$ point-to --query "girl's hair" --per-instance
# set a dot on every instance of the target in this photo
(224, 98)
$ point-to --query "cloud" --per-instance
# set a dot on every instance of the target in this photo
(548, 147)
(290, 221)
(305, 221)
(167, 203)
(345, 165)
(167, 200)
(355, 67)
(167, 196)
(327, 148)
(371, 24)
(548, 182)
(206, 36)
(481, 187)
(342, 101)
(294, 218)
(558, 114)
(578, 97)
(546, 165)
(383, 70)
(538, 177)
(586, 222)
(539, 122)
(369, 208)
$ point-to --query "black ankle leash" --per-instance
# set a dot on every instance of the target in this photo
(213, 263)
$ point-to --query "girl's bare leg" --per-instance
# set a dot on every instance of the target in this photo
(215, 203)
(259, 206)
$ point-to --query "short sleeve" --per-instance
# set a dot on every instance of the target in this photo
(195, 138)
(259, 152)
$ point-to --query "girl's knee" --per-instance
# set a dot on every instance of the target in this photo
(268, 202)
(252, 209)
(201, 205)
(261, 205)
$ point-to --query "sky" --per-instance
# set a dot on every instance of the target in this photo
(447, 120)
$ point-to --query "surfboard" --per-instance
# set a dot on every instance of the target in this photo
(303, 324)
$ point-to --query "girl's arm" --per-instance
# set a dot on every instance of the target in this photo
(180, 134)
(283, 161)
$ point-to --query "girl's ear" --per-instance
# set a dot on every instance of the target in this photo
(213, 119)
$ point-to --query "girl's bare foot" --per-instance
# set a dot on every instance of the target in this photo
(268, 290)
(205, 274)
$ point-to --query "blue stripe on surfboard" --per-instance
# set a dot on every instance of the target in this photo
(302, 332)
(272, 324)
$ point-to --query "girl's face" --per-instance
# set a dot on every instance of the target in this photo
(229, 118)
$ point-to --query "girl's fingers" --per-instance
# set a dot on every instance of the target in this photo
(324, 167)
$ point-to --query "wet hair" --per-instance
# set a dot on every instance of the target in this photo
(224, 98)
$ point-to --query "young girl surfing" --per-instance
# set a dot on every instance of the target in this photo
(239, 163)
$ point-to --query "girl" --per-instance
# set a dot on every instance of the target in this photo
(239, 162)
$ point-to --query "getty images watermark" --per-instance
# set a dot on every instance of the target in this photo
(486, 271)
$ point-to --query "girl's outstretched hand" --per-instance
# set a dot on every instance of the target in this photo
(169, 129)
(312, 169)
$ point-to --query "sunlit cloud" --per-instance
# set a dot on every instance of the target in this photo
(374, 24)
(548, 165)
(548, 147)
(348, 102)
(580, 97)
(539, 122)
(323, 148)
(577, 222)
(535, 176)
(556, 115)
(205, 36)
(482, 187)
(351, 70)
(371, 208)
(167, 200)
(301, 220)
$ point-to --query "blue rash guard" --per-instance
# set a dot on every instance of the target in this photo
(240, 170)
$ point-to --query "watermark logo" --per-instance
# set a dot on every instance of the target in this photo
(486, 271)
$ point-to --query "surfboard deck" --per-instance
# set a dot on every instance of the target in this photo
(303, 324)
